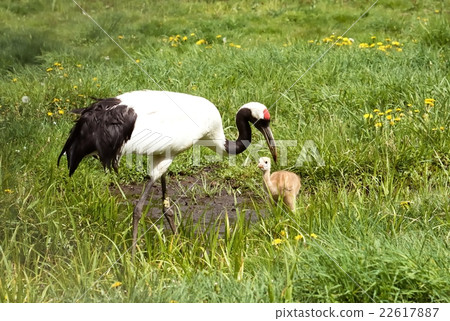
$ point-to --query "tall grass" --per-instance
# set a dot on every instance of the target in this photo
(372, 223)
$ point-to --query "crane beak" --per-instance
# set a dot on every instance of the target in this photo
(267, 133)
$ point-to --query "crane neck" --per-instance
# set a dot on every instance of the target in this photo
(245, 133)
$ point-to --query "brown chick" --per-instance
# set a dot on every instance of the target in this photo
(280, 184)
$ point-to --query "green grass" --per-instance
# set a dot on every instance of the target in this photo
(379, 206)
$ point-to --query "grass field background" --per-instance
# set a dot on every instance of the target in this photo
(375, 216)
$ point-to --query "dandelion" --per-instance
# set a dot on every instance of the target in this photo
(378, 125)
(392, 123)
(429, 102)
(95, 79)
(398, 109)
(379, 43)
(120, 37)
(389, 117)
(49, 69)
(219, 36)
(79, 65)
(138, 61)
(416, 111)
(8, 191)
(381, 114)
(277, 242)
(185, 38)
(192, 34)
(310, 41)
(116, 284)
(298, 237)
(373, 37)
(283, 233)
(399, 49)
(314, 236)
(14, 80)
(75, 87)
(405, 204)
(25, 99)
(368, 116)
(388, 111)
(376, 110)
(397, 118)
(436, 11)
(61, 112)
(50, 114)
(173, 301)
(200, 42)
(56, 100)
(441, 128)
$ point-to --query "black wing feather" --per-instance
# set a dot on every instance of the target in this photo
(103, 128)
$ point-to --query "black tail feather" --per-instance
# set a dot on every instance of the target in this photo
(103, 128)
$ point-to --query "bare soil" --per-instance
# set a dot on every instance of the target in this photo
(196, 200)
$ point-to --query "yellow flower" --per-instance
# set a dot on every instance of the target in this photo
(298, 237)
(49, 69)
(120, 37)
(185, 38)
(57, 64)
(368, 116)
(388, 111)
(56, 100)
(398, 109)
(389, 117)
(277, 241)
(75, 87)
(14, 80)
(416, 110)
(8, 191)
(116, 284)
(436, 11)
(192, 34)
(200, 42)
(378, 124)
(376, 110)
(95, 79)
(373, 37)
(173, 301)
(381, 114)
(61, 112)
(397, 118)
(441, 128)
(79, 65)
(219, 36)
(283, 233)
(405, 204)
(50, 114)
(392, 123)
(314, 236)
(379, 43)
(138, 61)
(430, 102)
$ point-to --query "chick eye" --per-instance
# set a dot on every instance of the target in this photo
(265, 162)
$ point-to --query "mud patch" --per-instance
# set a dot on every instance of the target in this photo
(197, 201)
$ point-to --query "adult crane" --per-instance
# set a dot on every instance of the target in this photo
(160, 124)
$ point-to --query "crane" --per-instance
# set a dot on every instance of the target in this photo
(160, 124)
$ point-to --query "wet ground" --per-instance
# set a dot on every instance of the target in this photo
(197, 200)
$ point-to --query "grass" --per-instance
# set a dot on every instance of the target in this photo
(379, 206)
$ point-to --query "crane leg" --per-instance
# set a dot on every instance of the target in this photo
(137, 213)
(168, 213)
